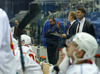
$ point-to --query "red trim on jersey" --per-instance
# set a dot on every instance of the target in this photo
(33, 57)
(31, 51)
(12, 45)
(26, 45)
(89, 61)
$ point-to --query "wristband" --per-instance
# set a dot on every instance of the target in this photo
(56, 68)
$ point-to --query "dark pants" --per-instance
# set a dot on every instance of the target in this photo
(51, 52)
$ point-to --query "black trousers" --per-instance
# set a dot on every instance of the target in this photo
(51, 52)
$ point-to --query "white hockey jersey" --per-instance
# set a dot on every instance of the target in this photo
(27, 49)
(7, 59)
(31, 67)
(84, 68)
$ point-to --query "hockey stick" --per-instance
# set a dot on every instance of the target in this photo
(28, 17)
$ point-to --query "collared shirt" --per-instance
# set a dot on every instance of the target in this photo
(81, 25)
(72, 22)
(70, 26)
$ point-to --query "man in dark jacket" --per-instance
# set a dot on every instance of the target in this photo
(52, 41)
(72, 27)
(84, 25)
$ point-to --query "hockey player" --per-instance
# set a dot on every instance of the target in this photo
(26, 41)
(80, 49)
(31, 67)
(7, 59)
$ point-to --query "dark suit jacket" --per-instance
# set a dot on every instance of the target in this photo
(72, 29)
(88, 27)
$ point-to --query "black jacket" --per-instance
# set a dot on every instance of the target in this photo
(88, 27)
(72, 30)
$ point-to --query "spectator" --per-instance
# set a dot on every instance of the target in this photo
(15, 28)
(49, 13)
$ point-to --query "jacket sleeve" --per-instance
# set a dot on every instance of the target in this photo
(92, 32)
(68, 36)
(51, 30)
(89, 28)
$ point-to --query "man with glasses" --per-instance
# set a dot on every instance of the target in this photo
(52, 41)
(83, 25)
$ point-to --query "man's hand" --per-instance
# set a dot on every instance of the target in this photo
(63, 35)
(37, 61)
(63, 61)
(62, 55)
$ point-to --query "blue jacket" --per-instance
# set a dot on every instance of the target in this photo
(51, 39)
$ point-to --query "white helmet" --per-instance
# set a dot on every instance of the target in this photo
(26, 38)
(87, 43)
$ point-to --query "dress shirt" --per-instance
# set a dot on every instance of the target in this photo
(81, 25)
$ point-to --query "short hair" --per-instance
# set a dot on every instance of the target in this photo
(16, 20)
(82, 10)
(73, 14)
(52, 19)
